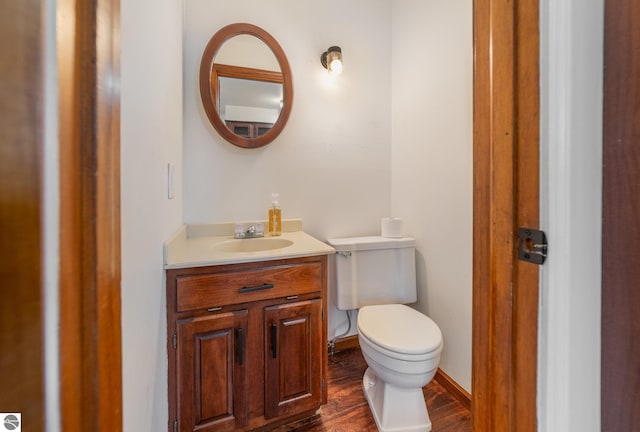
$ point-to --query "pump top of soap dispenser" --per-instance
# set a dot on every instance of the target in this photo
(274, 199)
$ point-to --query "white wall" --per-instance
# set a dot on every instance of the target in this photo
(432, 162)
(151, 137)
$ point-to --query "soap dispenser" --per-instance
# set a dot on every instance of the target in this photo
(275, 216)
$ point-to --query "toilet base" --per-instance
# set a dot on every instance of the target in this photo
(395, 409)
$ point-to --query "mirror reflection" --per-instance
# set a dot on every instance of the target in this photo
(248, 107)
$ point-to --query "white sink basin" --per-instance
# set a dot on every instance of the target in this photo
(252, 245)
(213, 244)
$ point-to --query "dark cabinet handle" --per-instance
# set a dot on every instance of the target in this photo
(255, 288)
(274, 340)
(240, 334)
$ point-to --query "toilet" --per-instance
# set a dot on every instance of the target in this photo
(400, 345)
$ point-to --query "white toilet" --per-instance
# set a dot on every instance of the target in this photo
(400, 345)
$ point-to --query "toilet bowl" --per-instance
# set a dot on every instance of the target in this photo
(402, 349)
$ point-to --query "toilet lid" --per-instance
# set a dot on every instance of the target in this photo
(399, 328)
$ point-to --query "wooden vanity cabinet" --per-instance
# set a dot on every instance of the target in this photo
(247, 344)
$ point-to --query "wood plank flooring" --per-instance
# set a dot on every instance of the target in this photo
(347, 409)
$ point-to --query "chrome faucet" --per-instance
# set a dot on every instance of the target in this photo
(253, 231)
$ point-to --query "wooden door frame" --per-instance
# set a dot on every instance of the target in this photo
(506, 177)
(89, 295)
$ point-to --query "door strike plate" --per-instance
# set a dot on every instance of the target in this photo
(532, 245)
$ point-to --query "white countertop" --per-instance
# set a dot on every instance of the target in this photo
(195, 245)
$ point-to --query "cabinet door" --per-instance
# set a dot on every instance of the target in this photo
(293, 358)
(211, 372)
(244, 129)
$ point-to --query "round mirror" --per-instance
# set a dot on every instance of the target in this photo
(246, 85)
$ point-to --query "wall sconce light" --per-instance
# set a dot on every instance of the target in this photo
(331, 59)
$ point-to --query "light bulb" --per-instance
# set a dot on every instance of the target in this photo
(335, 67)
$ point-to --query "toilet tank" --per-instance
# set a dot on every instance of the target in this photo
(374, 270)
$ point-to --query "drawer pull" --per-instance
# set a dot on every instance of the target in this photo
(214, 309)
(274, 340)
(240, 333)
(255, 288)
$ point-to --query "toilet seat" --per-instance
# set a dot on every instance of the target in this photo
(401, 331)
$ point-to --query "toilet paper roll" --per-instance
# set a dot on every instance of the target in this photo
(391, 227)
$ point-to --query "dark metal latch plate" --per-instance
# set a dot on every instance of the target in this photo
(532, 245)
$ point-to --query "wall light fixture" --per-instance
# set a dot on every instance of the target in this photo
(331, 59)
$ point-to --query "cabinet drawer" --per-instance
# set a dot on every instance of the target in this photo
(240, 286)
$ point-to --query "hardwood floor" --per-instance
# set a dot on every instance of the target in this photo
(347, 409)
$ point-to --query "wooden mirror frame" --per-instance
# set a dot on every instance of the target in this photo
(209, 74)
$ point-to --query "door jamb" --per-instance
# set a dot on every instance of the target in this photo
(506, 185)
(89, 297)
